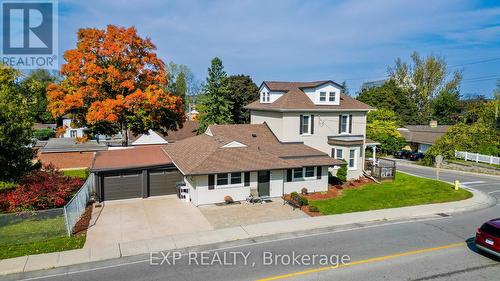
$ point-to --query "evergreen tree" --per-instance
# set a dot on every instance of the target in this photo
(213, 106)
(242, 91)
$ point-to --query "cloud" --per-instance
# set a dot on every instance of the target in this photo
(293, 40)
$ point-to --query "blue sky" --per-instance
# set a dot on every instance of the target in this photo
(306, 40)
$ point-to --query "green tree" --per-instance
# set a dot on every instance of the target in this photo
(34, 88)
(446, 107)
(214, 106)
(423, 79)
(16, 135)
(382, 127)
(242, 91)
(391, 96)
(345, 88)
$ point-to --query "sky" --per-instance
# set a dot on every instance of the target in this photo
(352, 41)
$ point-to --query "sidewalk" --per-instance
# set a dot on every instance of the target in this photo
(479, 200)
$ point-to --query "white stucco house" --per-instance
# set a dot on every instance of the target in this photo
(317, 114)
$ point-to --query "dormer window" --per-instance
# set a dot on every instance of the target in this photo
(265, 97)
(331, 97)
(322, 96)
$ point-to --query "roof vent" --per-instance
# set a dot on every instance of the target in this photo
(254, 135)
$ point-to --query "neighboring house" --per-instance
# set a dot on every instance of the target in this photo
(188, 129)
(227, 160)
(317, 114)
(67, 153)
(70, 131)
(421, 137)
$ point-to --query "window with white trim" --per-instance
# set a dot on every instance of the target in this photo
(331, 97)
(306, 124)
(309, 172)
(73, 133)
(297, 173)
(339, 153)
(352, 159)
(222, 179)
(235, 178)
(322, 96)
(344, 124)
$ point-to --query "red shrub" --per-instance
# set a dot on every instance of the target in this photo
(40, 190)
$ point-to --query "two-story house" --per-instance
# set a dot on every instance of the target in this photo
(317, 114)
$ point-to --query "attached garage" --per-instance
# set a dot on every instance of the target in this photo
(163, 182)
(137, 172)
(122, 186)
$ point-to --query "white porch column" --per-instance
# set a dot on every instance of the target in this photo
(374, 150)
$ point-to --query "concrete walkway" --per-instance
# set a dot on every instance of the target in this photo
(480, 200)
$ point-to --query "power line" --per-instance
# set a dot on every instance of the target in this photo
(474, 62)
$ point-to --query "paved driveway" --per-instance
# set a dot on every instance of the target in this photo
(138, 219)
(246, 213)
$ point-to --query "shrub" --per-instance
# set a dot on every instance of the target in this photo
(228, 199)
(294, 195)
(6, 186)
(43, 134)
(313, 209)
(303, 191)
(342, 173)
(333, 180)
(303, 201)
(40, 190)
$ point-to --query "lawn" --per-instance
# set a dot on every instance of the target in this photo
(29, 236)
(406, 190)
(79, 173)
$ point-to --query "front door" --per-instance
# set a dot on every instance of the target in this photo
(263, 178)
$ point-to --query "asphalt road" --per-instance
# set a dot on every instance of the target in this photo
(434, 248)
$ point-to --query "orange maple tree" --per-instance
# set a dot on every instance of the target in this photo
(114, 81)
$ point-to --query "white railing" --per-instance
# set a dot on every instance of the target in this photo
(476, 157)
(76, 206)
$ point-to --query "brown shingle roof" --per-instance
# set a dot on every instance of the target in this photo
(188, 129)
(295, 99)
(131, 157)
(67, 160)
(205, 154)
(422, 133)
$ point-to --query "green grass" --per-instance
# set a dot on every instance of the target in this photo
(80, 173)
(406, 190)
(27, 236)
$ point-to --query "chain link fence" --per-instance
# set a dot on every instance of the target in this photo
(76, 206)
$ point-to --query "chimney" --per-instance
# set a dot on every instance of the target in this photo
(433, 124)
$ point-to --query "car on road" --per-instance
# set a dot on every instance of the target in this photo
(415, 156)
(488, 237)
(402, 154)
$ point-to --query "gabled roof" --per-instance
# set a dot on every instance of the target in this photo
(207, 154)
(188, 129)
(423, 133)
(294, 98)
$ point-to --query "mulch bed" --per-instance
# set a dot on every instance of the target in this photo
(83, 224)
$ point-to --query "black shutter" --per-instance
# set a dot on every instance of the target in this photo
(289, 175)
(247, 178)
(211, 182)
(340, 123)
(350, 123)
(318, 172)
(300, 124)
(312, 124)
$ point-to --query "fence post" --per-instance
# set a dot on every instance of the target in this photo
(68, 230)
(477, 157)
(491, 159)
(466, 156)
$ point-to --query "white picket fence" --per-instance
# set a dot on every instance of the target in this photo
(476, 157)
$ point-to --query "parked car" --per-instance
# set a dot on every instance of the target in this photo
(402, 154)
(488, 237)
(415, 156)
